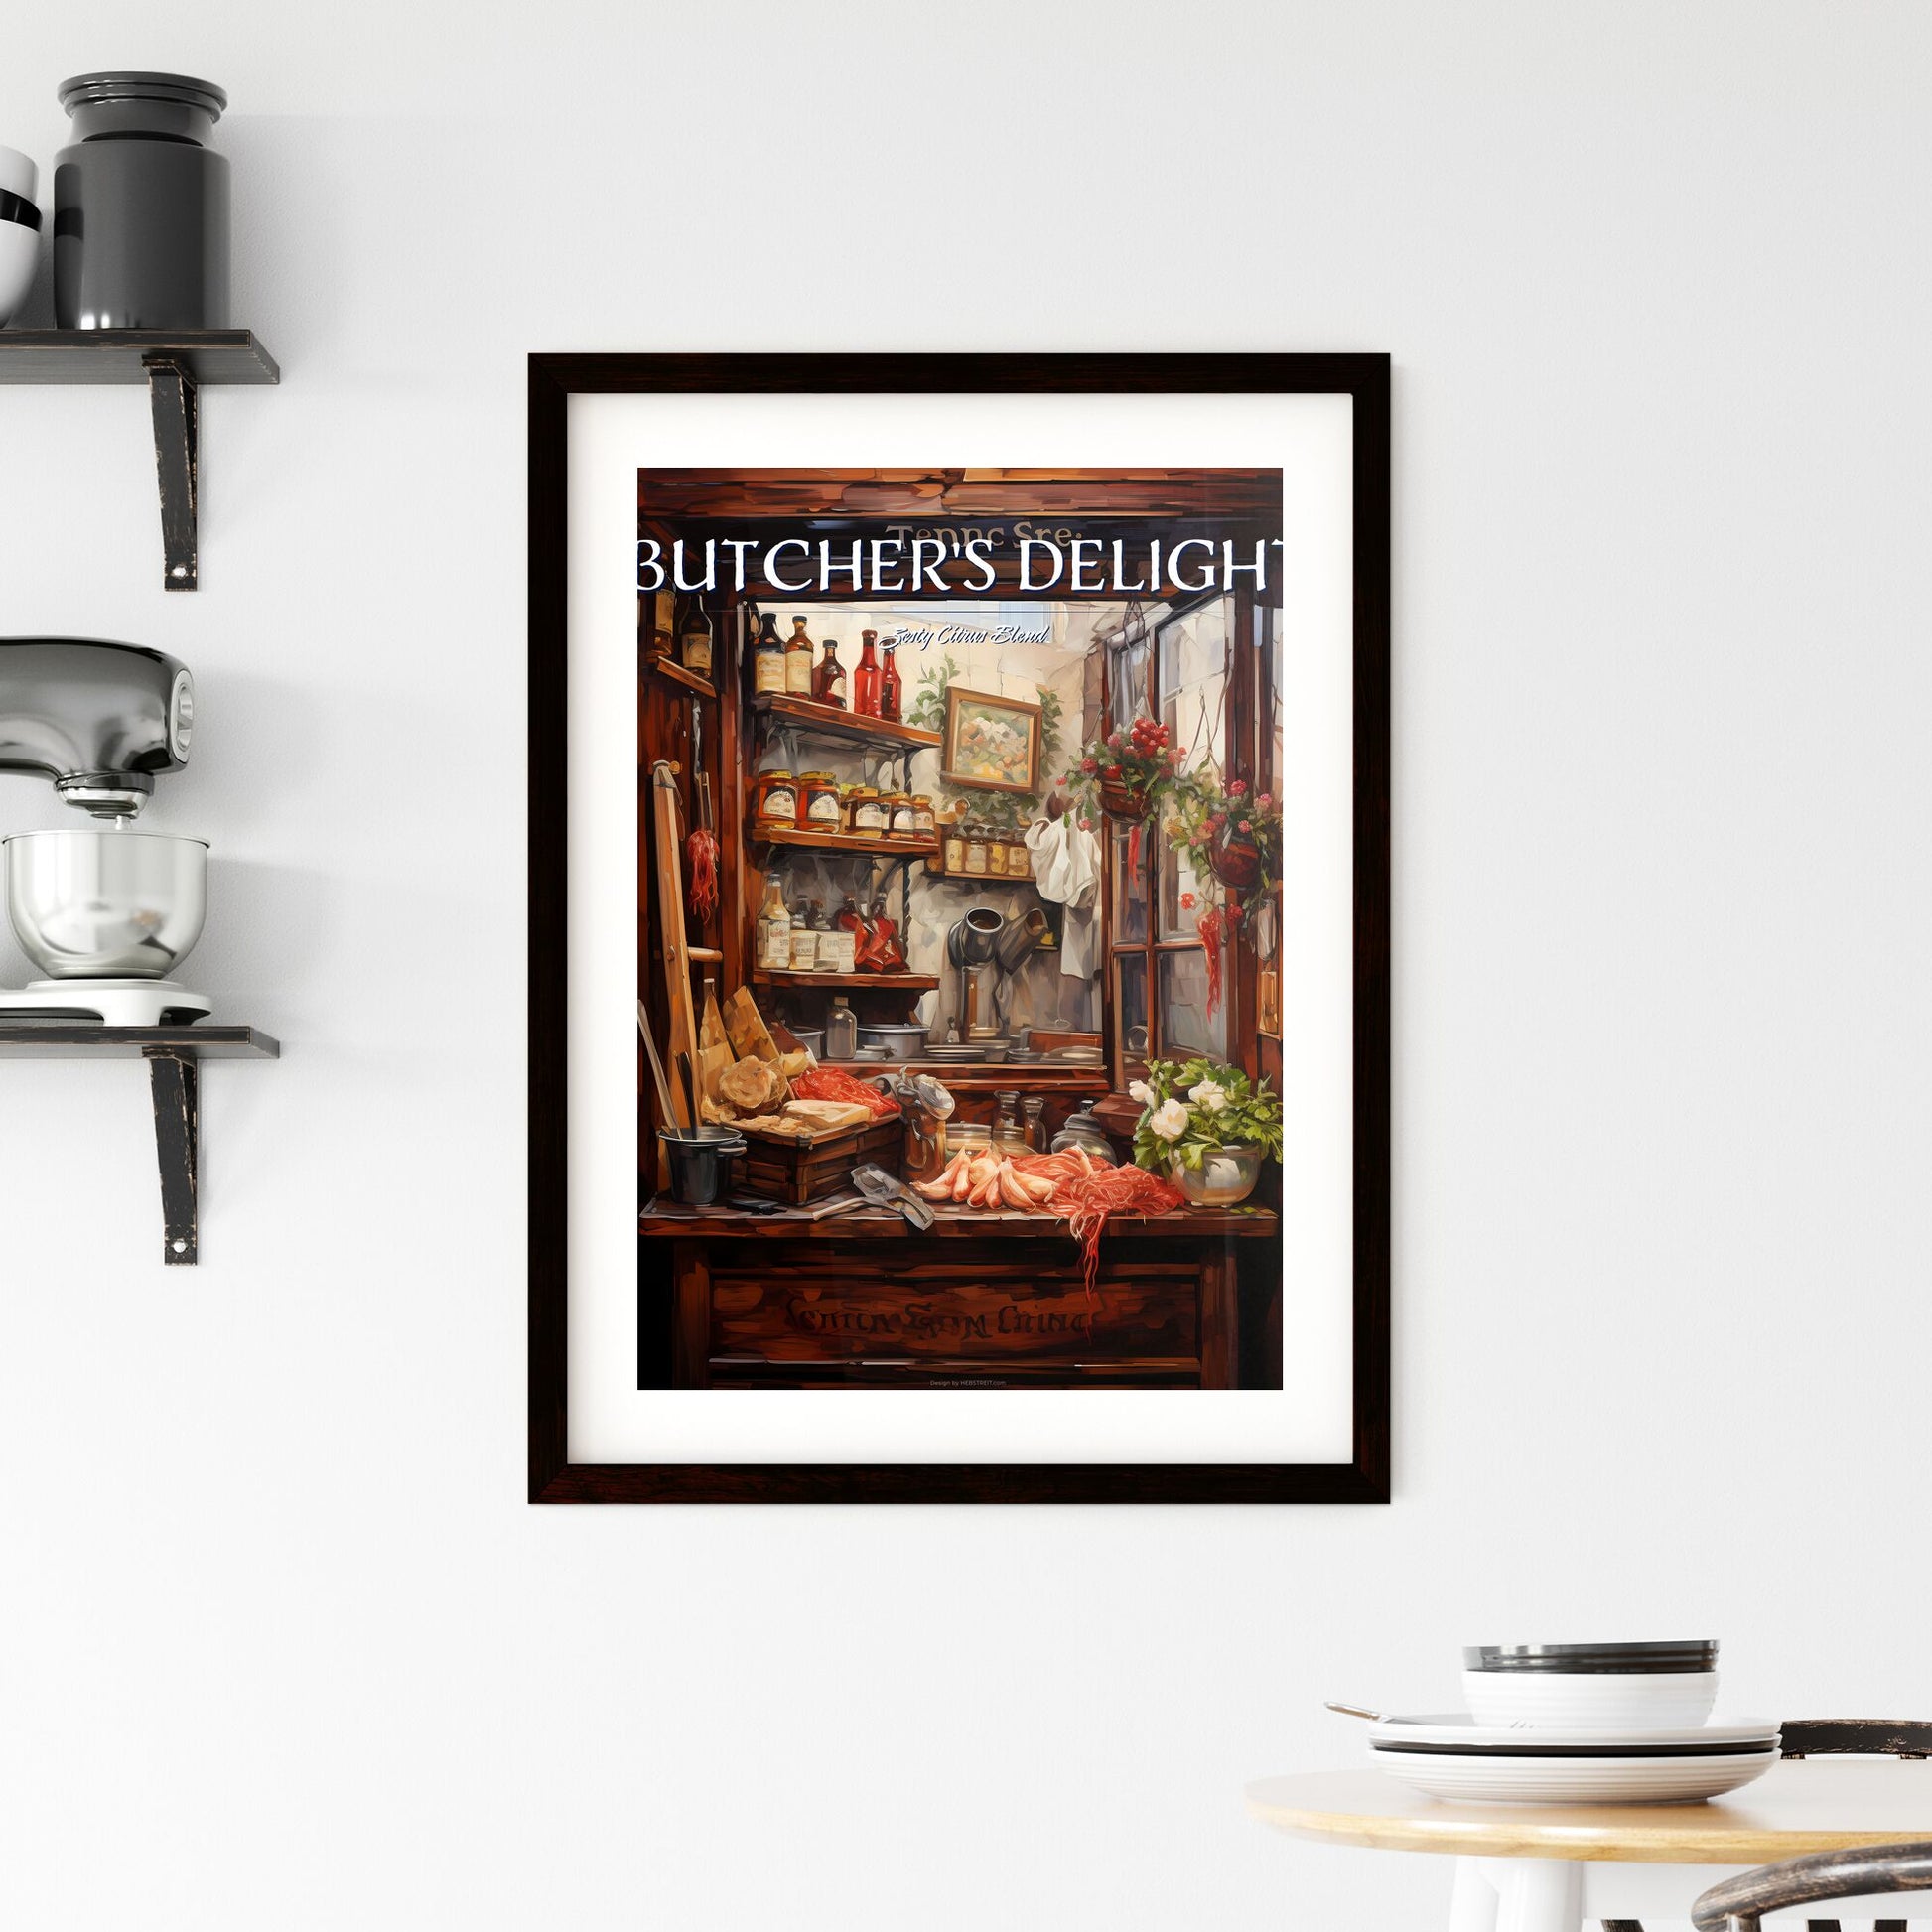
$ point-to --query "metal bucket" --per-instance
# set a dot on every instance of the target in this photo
(701, 1162)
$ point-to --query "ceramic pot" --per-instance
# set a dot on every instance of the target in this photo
(141, 206)
(1235, 857)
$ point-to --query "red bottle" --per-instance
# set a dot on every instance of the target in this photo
(854, 920)
(865, 680)
(828, 681)
(887, 953)
(889, 696)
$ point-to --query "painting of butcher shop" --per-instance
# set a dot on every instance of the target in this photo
(958, 990)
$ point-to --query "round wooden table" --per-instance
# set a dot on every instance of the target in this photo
(1555, 1868)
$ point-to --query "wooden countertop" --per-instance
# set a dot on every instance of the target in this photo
(882, 1224)
(1814, 1805)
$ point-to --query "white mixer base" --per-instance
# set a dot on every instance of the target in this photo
(114, 1003)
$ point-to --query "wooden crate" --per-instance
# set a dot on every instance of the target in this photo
(797, 1172)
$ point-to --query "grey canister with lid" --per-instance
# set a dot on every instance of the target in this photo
(141, 205)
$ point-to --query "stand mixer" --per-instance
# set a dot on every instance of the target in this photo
(105, 913)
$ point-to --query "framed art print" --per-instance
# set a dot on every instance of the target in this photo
(992, 742)
(960, 958)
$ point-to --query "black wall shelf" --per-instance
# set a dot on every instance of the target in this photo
(174, 1055)
(174, 364)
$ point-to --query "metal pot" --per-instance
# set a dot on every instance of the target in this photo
(701, 1162)
(105, 904)
(899, 1043)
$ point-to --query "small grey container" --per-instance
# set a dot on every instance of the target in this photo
(141, 205)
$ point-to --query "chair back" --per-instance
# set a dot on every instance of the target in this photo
(1855, 1738)
(1740, 1903)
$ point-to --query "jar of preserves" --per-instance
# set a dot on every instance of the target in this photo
(1019, 862)
(952, 857)
(996, 854)
(774, 800)
(865, 816)
(975, 836)
(925, 824)
(898, 806)
(818, 802)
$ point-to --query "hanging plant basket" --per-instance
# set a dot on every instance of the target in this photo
(1119, 799)
(1235, 857)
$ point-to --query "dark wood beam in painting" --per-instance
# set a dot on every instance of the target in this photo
(936, 492)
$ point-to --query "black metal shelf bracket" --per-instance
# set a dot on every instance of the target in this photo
(174, 397)
(176, 1082)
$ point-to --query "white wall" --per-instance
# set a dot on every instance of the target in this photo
(284, 1647)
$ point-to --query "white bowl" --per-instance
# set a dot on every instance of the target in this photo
(18, 174)
(20, 259)
(1612, 1700)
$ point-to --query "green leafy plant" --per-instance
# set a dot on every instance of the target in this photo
(1190, 1109)
(1002, 810)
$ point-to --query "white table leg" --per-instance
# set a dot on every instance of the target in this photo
(1473, 1908)
(1538, 1894)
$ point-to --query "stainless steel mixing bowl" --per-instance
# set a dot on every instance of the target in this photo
(105, 904)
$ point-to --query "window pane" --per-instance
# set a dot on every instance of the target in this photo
(1127, 691)
(1184, 896)
(1193, 707)
(1195, 681)
(1185, 1028)
(1130, 1003)
(1130, 887)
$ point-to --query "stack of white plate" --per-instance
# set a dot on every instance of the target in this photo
(1451, 1755)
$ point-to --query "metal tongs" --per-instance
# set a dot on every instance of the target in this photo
(882, 1191)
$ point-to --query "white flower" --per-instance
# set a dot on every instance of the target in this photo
(1210, 1095)
(1170, 1120)
(1141, 1091)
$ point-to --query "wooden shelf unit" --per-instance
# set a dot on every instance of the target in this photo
(669, 668)
(849, 982)
(174, 364)
(858, 842)
(849, 728)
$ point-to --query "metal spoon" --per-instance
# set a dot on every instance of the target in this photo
(1360, 1711)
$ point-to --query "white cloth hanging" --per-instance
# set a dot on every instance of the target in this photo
(1066, 869)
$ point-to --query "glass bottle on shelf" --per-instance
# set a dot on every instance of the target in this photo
(828, 685)
(1005, 1121)
(891, 695)
(774, 928)
(769, 659)
(888, 950)
(694, 641)
(865, 680)
(841, 1030)
(804, 941)
(1034, 1107)
(953, 836)
(798, 659)
(837, 952)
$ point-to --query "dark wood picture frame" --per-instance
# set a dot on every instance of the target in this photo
(552, 1477)
(955, 697)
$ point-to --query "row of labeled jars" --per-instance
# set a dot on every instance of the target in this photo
(967, 846)
(815, 801)
(783, 667)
